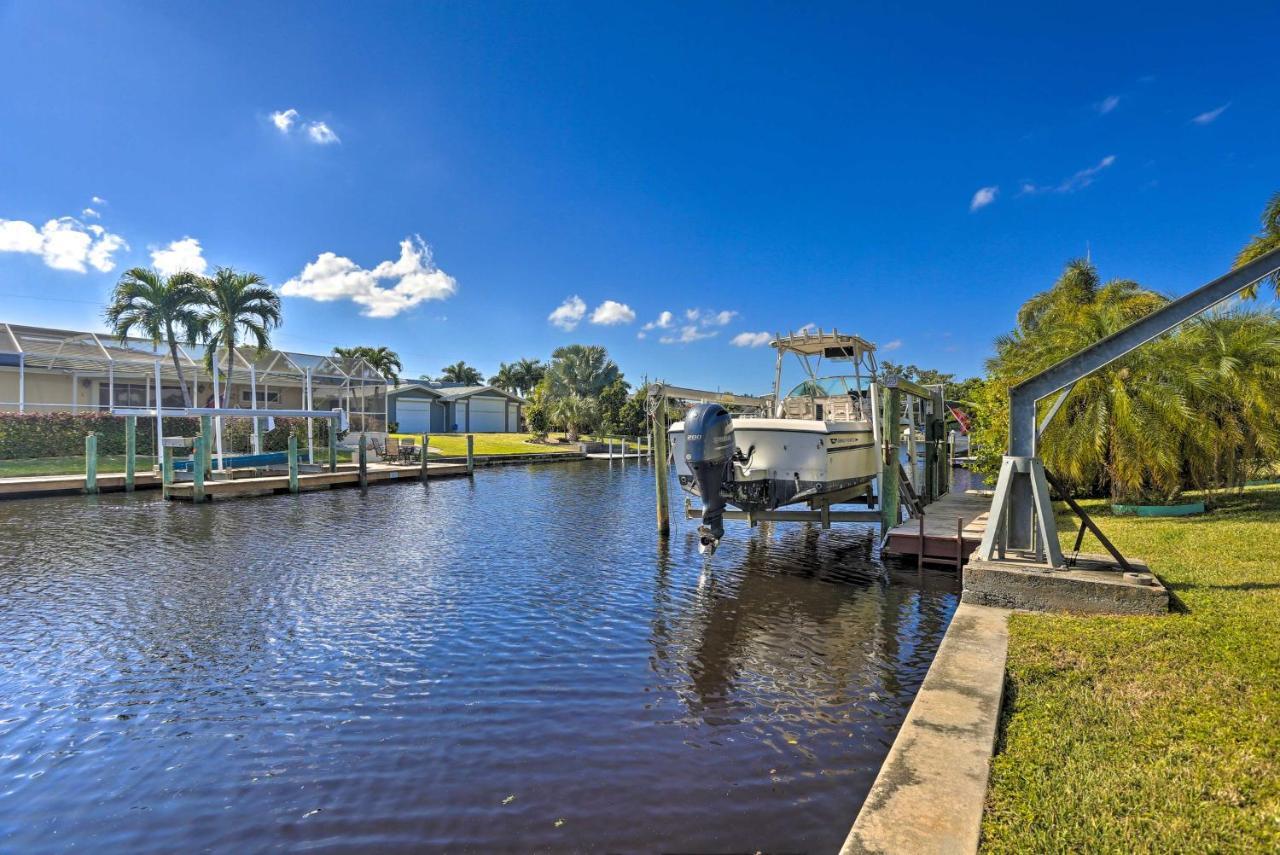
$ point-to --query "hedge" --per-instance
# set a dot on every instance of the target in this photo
(28, 435)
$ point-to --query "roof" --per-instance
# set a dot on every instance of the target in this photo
(69, 350)
(453, 391)
(832, 345)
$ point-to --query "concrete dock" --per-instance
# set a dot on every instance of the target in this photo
(58, 485)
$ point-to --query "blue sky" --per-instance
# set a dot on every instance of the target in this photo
(763, 166)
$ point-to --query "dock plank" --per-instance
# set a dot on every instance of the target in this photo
(971, 509)
(345, 476)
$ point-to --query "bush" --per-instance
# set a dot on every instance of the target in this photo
(27, 435)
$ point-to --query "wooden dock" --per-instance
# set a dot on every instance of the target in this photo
(58, 485)
(953, 529)
(346, 476)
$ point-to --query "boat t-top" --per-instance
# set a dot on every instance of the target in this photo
(814, 444)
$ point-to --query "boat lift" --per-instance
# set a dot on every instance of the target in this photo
(895, 396)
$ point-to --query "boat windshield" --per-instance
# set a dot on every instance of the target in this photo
(827, 387)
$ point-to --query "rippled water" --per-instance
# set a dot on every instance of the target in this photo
(514, 664)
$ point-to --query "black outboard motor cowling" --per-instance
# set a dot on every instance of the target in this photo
(708, 452)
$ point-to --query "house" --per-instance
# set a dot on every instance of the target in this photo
(46, 370)
(421, 407)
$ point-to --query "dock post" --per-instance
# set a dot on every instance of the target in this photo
(426, 443)
(166, 471)
(471, 454)
(205, 459)
(661, 474)
(333, 444)
(293, 460)
(130, 450)
(91, 463)
(364, 463)
(198, 456)
(889, 510)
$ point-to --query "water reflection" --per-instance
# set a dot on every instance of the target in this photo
(516, 664)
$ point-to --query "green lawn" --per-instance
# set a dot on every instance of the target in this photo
(451, 444)
(1127, 734)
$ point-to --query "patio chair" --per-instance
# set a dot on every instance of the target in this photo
(393, 449)
(409, 451)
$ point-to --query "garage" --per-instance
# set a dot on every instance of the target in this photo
(414, 416)
(488, 415)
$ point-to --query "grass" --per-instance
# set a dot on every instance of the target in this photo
(1133, 734)
(455, 444)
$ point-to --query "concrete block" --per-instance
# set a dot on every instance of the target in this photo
(1094, 585)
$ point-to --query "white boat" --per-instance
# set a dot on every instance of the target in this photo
(816, 444)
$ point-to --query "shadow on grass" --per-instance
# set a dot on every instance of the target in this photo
(1242, 586)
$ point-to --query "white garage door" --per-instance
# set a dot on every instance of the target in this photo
(488, 415)
(414, 416)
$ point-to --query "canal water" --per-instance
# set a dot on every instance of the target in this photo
(514, 663)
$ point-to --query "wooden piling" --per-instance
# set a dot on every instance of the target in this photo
(205, 459)
(422, 471)
(660, 472)
(130, 450)
(471, 454)
(891, 430)
(364, 464)
(293, 460)
(166, 471)
(333, 444)
(91, 463)
(198, 455)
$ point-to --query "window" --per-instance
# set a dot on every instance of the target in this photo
(127, 395)
(265, 396)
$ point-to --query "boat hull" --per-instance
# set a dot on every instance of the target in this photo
(780, 462)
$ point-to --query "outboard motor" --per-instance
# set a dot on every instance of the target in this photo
(708, 451)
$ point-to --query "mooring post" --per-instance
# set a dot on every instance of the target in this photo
(471, 454)
(333, 444)
(166, 471)
(199, 454)
(293, 460)
(130, 450)
(91, 463)
(920, 554)
(660, 473)
(205, 458)
(364, 464)
(422, 472)
(892, 428)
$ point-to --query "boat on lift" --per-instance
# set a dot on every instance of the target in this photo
(815, 444)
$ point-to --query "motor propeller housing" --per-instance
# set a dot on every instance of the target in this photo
(708, 452)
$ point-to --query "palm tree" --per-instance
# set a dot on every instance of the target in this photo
(156, 304)
(461, 372)
(582, 370)
(575, 413)
(1263, 242)
(529, 373)
(382, 359)
(505, 378)
(237, 303)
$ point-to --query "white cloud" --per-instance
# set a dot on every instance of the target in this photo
(1210, 115)
(284, 119)
(569, 313)
(1106, 105)
(751, 339)
(688, 333)
(179, 255)
(891, 345)
(719, 319)
(611, 313)
(984, 197)
(1078, 181)
(664, 322)
(416, 280)
(692, 314)
(63, 244)
(322, 134)
(91, 213)
(98, 200)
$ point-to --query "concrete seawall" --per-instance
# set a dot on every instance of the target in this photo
(929, 795)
